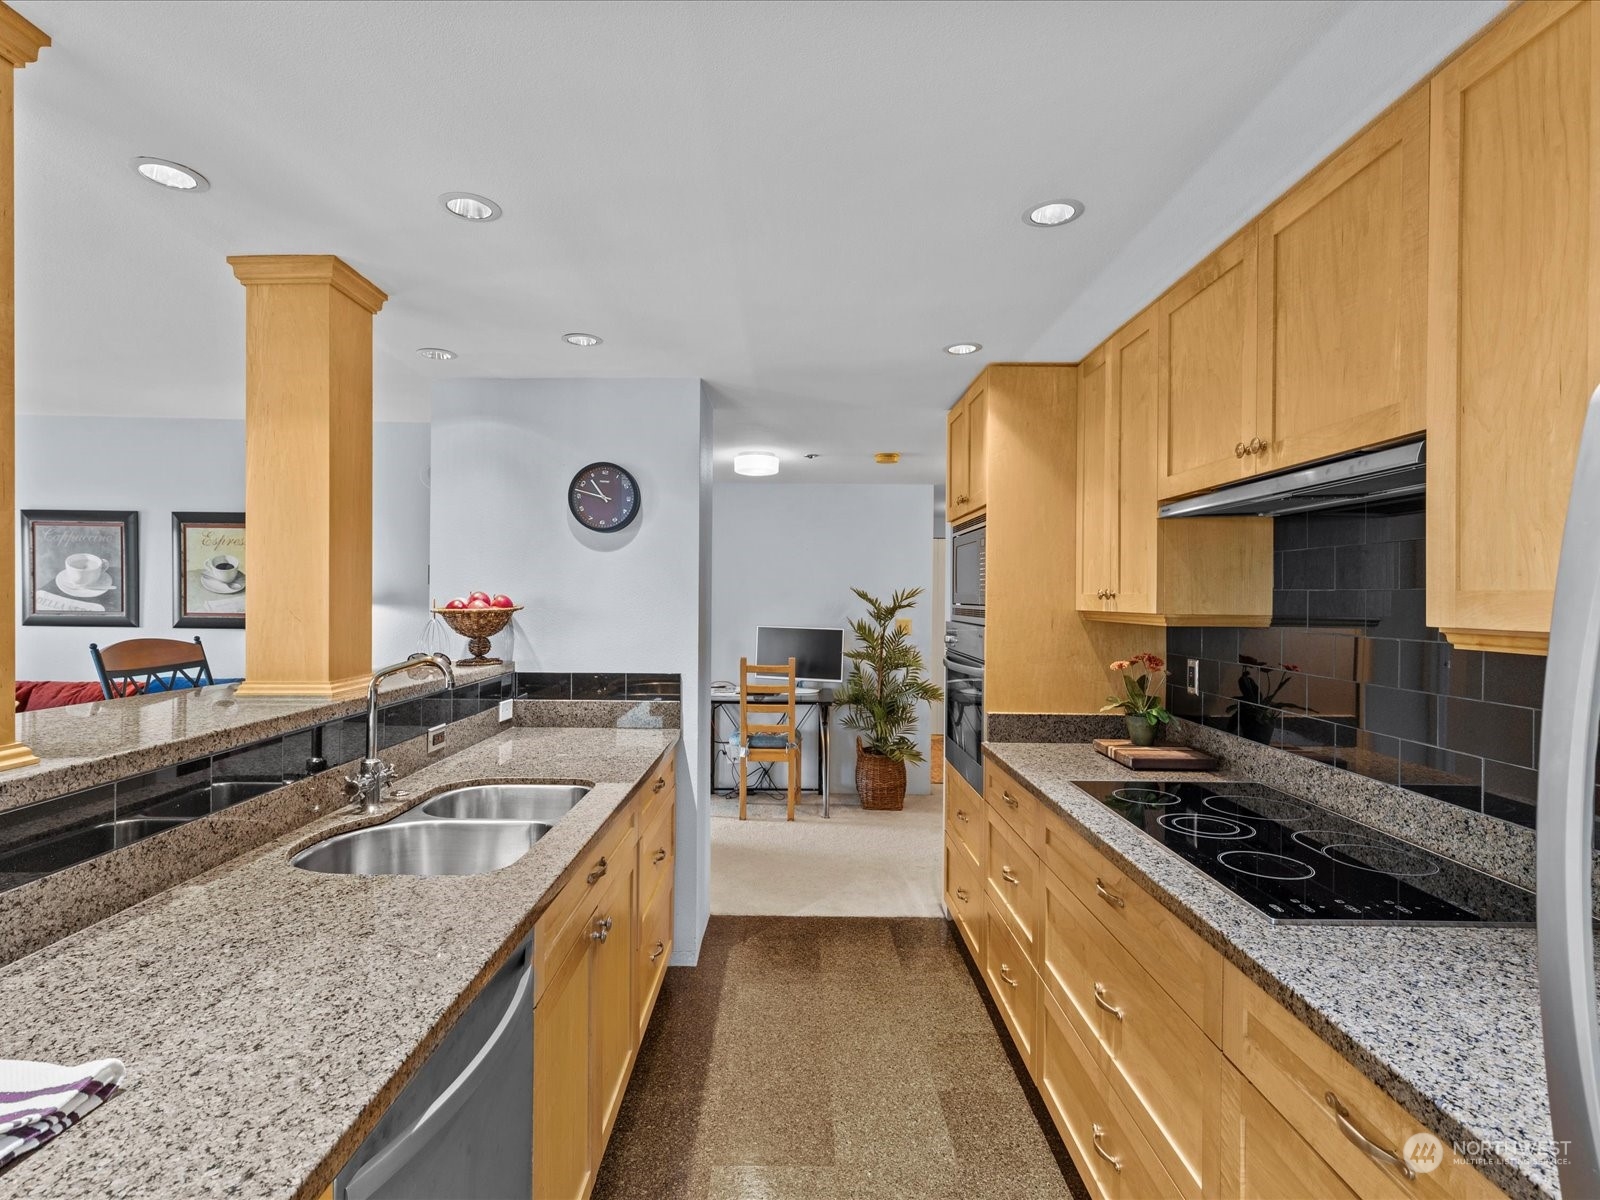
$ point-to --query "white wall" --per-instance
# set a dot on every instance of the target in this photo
(788, 554)
(504, 452)
(160, 465)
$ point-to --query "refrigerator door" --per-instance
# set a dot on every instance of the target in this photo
(1566, 829)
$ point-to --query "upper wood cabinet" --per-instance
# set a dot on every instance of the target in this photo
(1513, 317)
(1342, 269)
(1206, 375)
(966, 465)
(1132, 566)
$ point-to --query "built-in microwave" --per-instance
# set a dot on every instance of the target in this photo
(967, 570)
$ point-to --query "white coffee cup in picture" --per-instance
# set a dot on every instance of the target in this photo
(82, 569)
(222, 568)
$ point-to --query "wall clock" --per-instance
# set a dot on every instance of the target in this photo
(603, 497)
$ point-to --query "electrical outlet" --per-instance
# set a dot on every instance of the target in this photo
(903, 624)
(436, 739)
(1192, 676)
(505, 710)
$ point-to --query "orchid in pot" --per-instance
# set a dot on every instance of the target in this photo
(1143, 679)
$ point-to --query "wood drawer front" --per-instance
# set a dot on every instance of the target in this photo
(1262, 1157)
(1011, 800)
(1111, 1154)
(963, 895)
(659, 790)
(566, 918)
(1013, 984)
(964, 817)
(1296, 1072)
(1015, 883)
(657, 851)
(1175, 956)
(655, 948)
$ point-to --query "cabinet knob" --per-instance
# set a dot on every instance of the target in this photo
(1240, 450)
(1257, 445)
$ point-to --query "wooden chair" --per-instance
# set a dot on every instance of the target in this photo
(140, 660)
(767, 741)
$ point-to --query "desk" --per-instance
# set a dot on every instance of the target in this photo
(819, 703)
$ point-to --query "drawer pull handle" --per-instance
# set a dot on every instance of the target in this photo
(1100, 999)
(1108, 895)
(1009, 798)
(1100, 1132)
(963, 895)
(961, 815)
(660, 856)
(599, 870)
(1371, 1148)
(660, 783)
(1007, 875)
(660, 949)
(1005, 973)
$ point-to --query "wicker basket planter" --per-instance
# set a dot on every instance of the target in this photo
(880, 781)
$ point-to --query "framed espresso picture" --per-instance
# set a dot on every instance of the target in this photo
(208, 571)
(80, 567)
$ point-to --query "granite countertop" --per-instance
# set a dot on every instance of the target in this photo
(83, 745)
(1443, 1019)
(267, 1014)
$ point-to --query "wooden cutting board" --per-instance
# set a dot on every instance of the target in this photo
(1154, 758)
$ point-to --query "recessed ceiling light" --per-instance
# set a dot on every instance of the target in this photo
(581, 339)
(963, 348)
(438, 353)
(470, 207)
(755, 462)
(1053, 213)
(887, 458)
(171, 175)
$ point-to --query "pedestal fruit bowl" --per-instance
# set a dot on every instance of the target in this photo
(478, 625)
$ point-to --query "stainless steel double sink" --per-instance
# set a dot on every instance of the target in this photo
(465, 831)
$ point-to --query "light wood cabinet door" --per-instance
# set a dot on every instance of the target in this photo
(613, 1024)
(651, 956)
(1261, 1156)
(1013, 983)
(564, 1155)
(977, 451)
(1097, 484)
(963, 896)
(1206, 374)
(1132, 367)
(1014, 883)
(1343, 264)
(1513, 316)
(958, 477)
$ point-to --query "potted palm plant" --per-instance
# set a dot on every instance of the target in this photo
(879, 699)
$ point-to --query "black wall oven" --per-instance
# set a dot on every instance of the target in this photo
(963, 703)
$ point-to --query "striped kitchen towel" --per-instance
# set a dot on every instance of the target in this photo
(39, 1100)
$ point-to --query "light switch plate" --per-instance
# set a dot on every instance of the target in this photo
(436, 739)
(1192, 676)
(505, 710)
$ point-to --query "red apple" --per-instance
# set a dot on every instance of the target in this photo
(501, 600)
(477, 604)
(484, 596)
(458, 602)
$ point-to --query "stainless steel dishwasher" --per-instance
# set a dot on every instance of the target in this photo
(463, 1127)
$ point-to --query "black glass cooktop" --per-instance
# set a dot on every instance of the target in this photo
(1299, 863)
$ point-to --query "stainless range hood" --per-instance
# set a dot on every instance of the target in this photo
(1361, 478)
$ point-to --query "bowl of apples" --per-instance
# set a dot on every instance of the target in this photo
(478, 617)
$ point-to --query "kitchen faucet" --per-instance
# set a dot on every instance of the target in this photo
(369, 780)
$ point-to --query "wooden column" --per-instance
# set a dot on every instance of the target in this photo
(20, 43)
(308, 475)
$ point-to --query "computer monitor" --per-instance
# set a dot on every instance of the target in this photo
(818, 653)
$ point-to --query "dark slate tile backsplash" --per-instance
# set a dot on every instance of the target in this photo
(1351, 674)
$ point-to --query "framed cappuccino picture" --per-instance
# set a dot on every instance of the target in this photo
(80, 567)
(208, 569)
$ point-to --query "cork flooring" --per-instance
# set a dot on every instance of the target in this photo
(818, 1058)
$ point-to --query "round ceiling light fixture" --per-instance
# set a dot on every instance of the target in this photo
(470, 207)
(170, 174)
(1054, 212)
(437, 353)
(964, 348)
(886, 458)
(581, 339)
(755, 462)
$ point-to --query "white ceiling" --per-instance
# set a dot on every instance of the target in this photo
(801, 203)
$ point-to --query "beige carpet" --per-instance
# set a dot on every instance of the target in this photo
(855, 864)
